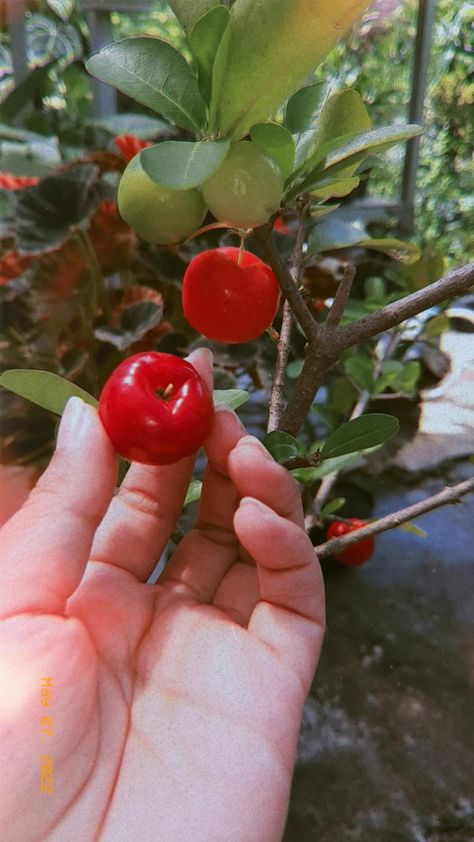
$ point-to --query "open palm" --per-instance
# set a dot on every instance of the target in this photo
(174, 707)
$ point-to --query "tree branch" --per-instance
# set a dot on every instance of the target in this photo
(450, 494)
(277, 403)
(341, 297)
(289, 288)
(454, 283)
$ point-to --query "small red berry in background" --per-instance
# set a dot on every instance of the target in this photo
(156, 409)
(229, 295)
(130, 145)
(357, 554)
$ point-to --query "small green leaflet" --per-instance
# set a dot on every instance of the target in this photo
(230, 397)
(194, 491)
(44, 388)
(182, 165)
(282, 446)
(333, 506)
(413, 529)
(360, 433)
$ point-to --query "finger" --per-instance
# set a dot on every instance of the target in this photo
(143, 514)
(290, 614)
(46, 544)
(256, 474)
(210, 549)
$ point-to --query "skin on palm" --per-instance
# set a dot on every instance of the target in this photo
(152, 681)
(246, 189)
(157, 214)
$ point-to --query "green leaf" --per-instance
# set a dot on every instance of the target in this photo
(48, 213)
(335, 233)
(142, 125)
(282, 446)
(361, 369)
(359, 434)
(436, 326)
(193, 492)
(218, 75)
(135, 323)
(204, 41)
(410, 527)
(189, 12)
(378, 140)
(230, 397)
(153, 73)
(43, 388)
(333, 506)
(278, 142)
(273, 48)
(327, 188)
(62, 8)
(302, 107)
(328, 466)
(180, 164)
(294, 369)
(344, 113)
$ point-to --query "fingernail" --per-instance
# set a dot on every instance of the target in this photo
(205, 354)
(251, 441)
(256, 504)
(75, 424)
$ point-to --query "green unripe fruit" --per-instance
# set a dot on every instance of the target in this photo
(246, 189)
(155, 213)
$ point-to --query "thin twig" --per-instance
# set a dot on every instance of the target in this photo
(456, 282)
(263, 236)
(341, 297)
(277, 401)
(310, 461)
(451, 494)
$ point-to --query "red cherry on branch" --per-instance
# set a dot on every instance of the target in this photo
(156, 409)
(357, 554)
(229, 295)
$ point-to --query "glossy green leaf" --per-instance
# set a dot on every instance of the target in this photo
(327, 188)
(181, 164)
(43, 388)
(230, 397)
(333, 233)
(62, 8)
(294, 369)
(273, 48)
(302, 107)
(333, 506)
(359, 434)
(142, 125)
(343, 114)
(218, 75)
(189, 12)
(282, 446)
(153, 73)
(204, 41)
(194, 492)
(278, 142)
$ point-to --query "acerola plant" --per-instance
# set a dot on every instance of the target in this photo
(156, 409)
(246, 189)
(357, 554)
(229, 295)
(157, 214)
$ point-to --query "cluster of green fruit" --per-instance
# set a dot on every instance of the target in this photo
(244, 192)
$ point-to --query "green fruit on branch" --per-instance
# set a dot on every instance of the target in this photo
(157, 214)
(273, 46)
(246, 190)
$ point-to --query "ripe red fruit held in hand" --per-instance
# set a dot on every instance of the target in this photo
(156, 409)
(227, 300)
(358, 553)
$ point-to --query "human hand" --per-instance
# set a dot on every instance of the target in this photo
(175, 707)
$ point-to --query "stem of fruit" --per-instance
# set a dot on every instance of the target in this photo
(450, 494)
(277, 402)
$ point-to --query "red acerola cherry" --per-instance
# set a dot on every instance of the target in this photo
(229, 295)
(156, 409)
(358, 553)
